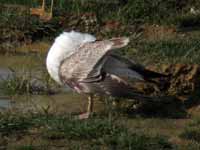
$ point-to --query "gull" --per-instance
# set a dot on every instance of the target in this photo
(90, 67)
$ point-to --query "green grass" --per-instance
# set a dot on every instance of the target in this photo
(27, 82)
(132, 11)
(27, 147)
(11, 124)
(192, 131)
(179, 50)
(17, 26)
(95, 132)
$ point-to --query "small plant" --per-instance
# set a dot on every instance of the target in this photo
(192, 131)
(25, 83)
(103, 132)
(11, 124)
(172, 50)
(26, 147)
(94, 132)
(17, 84)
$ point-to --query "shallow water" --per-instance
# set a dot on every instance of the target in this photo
(65, 101)
(5, 103)
(5, 73)
(20, 64)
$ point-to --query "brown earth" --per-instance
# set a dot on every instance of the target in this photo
(175, 96)
(183, 79)
(156, 32)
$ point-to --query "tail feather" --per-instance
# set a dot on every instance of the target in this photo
(152, 74)
(148, 74)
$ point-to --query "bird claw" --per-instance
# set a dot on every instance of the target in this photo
(83, 116)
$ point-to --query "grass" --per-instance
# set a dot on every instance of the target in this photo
(132, 10)
(41, 129)
(129, 13)
(172, 50)
(27, 147)
(192, 131)
(28, 82)
(191, 134)
(95, 132)
(11, 124)
(18, 26)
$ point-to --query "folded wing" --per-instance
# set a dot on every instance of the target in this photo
(94, 70)
(80, 64)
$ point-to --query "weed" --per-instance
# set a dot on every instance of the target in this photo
(26, 147)
(192, 131)
(93, 133)
(103, 132)
(27, 83)
(11, 124)
(172, 50)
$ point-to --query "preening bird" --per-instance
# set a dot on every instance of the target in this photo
(89, 66)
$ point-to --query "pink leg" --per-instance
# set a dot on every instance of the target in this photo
(89, 109)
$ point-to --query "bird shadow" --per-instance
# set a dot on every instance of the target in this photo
(193, 99)
(166, 107)
(170, 107)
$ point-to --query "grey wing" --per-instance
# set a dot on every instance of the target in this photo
(121, 67)
(117, 76)
(79, 65)
(110, 84)
(112, 76)
(93, 70)
(124, 67)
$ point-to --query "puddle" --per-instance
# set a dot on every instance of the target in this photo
(4, 103)
(5, 73)
(65, 101)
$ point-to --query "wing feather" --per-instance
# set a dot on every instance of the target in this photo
(114, 86)
(92, 69)
(83, 61)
